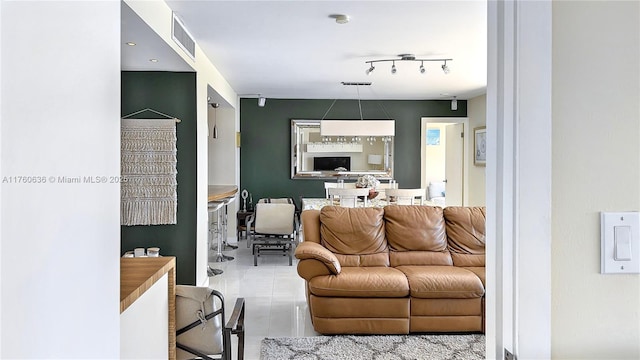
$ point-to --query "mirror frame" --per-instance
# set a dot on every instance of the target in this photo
(296, 130)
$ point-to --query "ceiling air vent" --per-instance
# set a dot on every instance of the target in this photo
(182, 37)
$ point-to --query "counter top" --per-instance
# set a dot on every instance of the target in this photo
(217, 192)
(137, 275)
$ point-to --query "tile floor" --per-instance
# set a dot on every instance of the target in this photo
(274, 296)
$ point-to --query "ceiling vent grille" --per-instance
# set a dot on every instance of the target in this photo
(182, 37)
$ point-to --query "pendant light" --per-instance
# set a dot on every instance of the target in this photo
(215, 122)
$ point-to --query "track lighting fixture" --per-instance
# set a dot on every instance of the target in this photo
(407, 57)
(445, 68)
(454, 103)
(370, 69)
(261, 101)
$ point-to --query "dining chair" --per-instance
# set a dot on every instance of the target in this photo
(349, 197)
(382, 189)
(335, 185)
(406, 196)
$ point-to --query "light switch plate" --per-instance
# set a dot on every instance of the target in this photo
(620, 243)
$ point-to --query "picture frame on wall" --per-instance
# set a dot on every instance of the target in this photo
(480, 146)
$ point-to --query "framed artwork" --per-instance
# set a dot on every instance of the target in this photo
(480, 146)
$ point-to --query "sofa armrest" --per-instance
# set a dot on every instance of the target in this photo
(314, 251)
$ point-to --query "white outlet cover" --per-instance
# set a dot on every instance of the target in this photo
(608, 223)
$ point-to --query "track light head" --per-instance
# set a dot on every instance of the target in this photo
(393, 68)
(454, 104)
(261, 101)
(214, 105)
(422, 69)
(369, 70)
(445, 68)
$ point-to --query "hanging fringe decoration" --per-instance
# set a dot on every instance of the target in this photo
(148, 165)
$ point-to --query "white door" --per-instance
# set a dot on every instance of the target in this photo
(459, 158)
(454, 156)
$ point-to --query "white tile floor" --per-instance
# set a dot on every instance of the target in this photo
(274, 296)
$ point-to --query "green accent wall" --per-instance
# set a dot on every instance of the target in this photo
(173, 94)
(266, 138)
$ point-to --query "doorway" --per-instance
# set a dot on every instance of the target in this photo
(444, 159)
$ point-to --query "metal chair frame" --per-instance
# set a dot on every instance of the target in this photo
(266, 243)
(234, 326)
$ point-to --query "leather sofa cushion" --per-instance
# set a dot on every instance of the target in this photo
(480, 273)
(399, 258)
(377, 259)
(416, 235)
(414, 227)
(384, 282)
(465, 228)
(442, 282)
(353, 231)
(310, 220)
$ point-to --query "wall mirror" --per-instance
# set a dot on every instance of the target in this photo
(332, 149)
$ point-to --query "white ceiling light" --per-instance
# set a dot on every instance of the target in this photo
(340, 18)
(261, 101)
(454, 104)
(131, 43)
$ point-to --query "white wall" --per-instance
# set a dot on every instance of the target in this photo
(221, 150)
(477, 114)
(596, 167)
(60, 117)
(157, 15)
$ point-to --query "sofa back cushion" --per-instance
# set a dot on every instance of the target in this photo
(355, 235)
(466, 234)
(416, 235)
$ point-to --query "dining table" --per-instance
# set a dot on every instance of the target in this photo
(318, 203)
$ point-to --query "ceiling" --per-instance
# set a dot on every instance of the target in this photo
(295, 49)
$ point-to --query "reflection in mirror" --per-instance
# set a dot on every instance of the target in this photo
(314, 156)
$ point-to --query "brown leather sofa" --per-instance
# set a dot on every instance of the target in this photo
(394, 270)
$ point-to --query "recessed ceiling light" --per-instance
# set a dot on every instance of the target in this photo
(131, 43)
(153, 60)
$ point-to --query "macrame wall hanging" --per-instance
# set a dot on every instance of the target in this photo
(148, 169)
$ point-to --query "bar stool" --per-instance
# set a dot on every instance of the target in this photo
(215, 210)
(225, 223)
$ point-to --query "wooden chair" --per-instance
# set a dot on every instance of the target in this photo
(406, 196)
(349, 197)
